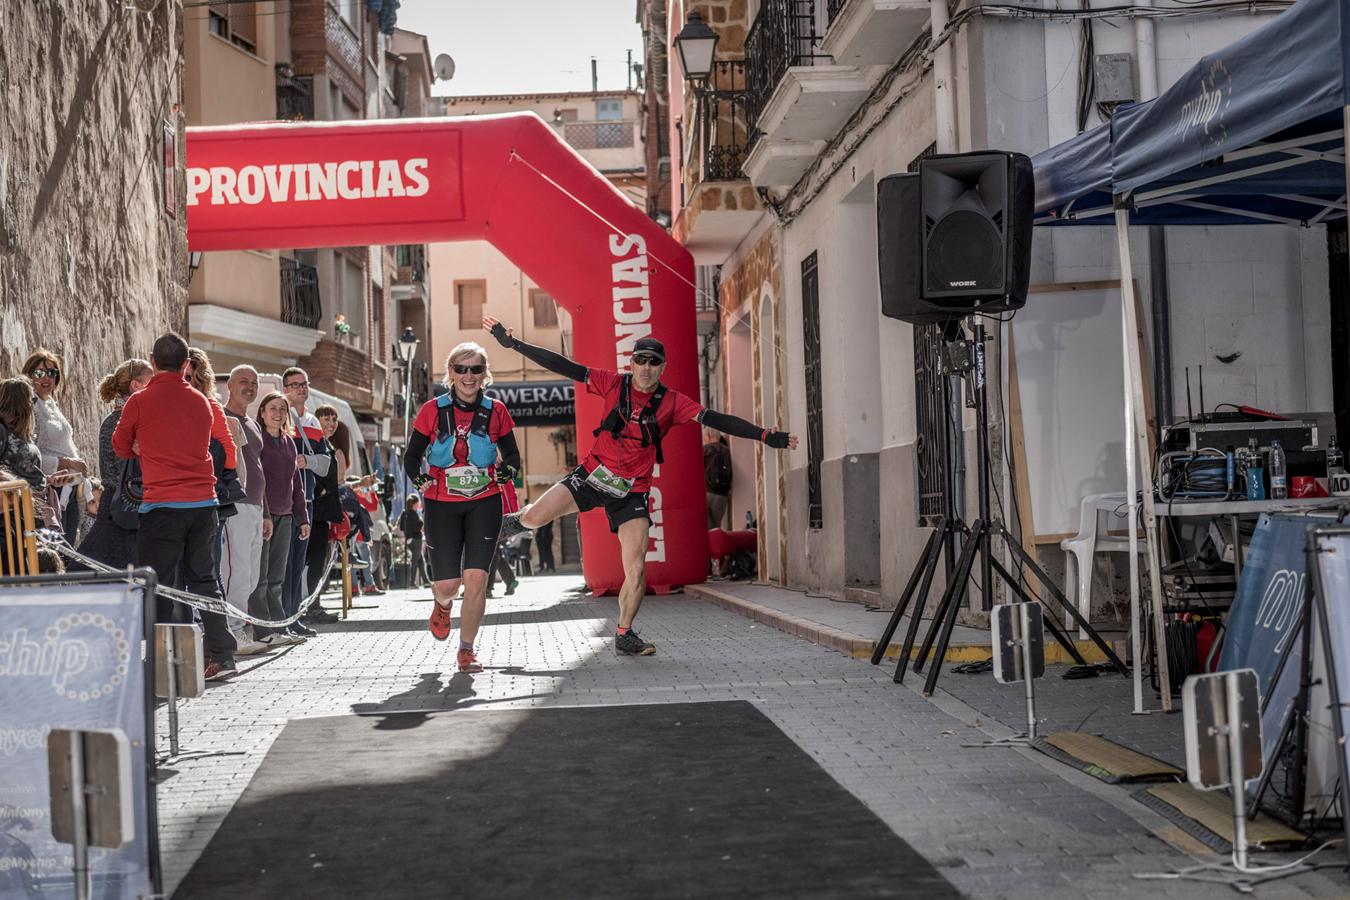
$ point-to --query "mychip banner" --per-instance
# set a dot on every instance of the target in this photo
(71, 656)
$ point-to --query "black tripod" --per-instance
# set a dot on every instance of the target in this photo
(967, 359)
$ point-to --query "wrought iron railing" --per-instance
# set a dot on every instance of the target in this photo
(412, 257)
(832, 8)
(783, 35)
(300, 303)
(723, 125)
(295, 99)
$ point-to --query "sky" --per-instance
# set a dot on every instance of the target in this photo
(527, 46)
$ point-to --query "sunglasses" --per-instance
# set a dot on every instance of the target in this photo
(296, 384)
(469, 370)
(645, 360)
(45, 373)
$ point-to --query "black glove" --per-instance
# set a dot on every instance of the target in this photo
(499, 332)
(505, 473)
(778, 440)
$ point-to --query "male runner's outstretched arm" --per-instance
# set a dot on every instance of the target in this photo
(554, 362)
(738, 427)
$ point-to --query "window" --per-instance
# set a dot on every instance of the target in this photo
(235, 22)
(545, 310)
(608, 110)
(471, 297)
(815, 426)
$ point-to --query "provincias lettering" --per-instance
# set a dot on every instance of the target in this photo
(299, 182)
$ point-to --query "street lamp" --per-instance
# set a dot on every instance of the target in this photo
(407, 349)
(696, 43)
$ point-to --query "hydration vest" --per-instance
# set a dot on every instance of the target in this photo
(482, 449)
(618, 417)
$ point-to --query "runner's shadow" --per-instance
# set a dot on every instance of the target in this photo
(414, 706)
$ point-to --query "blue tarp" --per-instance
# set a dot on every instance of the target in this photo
(1252, 133)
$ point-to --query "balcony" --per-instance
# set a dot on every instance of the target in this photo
(798, 99)
(295, 99)
(720, 206)
(873, 32)
(300, 304)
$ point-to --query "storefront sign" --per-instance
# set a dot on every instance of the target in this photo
(536, 402)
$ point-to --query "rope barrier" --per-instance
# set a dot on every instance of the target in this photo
(197, 601)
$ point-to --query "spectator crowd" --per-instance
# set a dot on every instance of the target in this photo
(216, 501)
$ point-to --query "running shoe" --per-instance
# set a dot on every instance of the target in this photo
(629, 644)
(280, 639)
(219, 671)
(510, 527)
(468, 661)
(250, 648)
(299, 630)
(371, 590)
(439, 623)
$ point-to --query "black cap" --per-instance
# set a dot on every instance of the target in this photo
(650, 345)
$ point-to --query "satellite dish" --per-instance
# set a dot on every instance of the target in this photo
(444, 67)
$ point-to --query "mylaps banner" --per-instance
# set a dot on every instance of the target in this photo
(510, 180)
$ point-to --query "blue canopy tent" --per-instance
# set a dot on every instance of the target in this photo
(1251, 134)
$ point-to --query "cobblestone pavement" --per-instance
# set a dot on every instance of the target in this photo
(997, 822)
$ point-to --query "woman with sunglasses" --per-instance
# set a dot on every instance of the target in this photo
(616, 475)
(55, 438)
(470, 452)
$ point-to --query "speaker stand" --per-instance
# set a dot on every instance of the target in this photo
(967, 359)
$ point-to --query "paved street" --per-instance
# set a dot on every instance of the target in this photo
(996, 822)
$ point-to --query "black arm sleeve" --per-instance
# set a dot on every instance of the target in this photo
(506, 444)
(738, 427)
(412, 456)
(732, 425)
(554, 362)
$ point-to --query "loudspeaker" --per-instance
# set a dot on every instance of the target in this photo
(977, 212)
(898, 249)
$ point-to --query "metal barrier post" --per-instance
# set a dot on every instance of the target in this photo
(346, 579)
(83, 885)
(171, 685)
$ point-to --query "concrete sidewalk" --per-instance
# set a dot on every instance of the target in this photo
(850, 627)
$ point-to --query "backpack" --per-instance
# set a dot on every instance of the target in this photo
(618, 416)
(717, 467)
(482, 450)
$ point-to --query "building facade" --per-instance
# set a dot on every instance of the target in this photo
(93, 236)
(818, 100)
(336, 312)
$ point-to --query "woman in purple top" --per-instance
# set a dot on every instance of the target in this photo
(283, 506)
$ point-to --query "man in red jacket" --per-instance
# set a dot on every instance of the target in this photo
(168, 427)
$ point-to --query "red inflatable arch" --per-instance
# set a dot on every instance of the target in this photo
(507, 179)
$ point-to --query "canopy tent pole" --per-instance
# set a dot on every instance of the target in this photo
(1131, 491)
(1137, 432)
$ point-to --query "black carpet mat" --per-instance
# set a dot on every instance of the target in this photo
(679, 800)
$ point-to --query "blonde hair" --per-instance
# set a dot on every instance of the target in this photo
(286, 427)
(201, 375)
(118, 383)
(464, 351)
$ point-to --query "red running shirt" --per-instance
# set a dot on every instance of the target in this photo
(625, 456)
(499, 424)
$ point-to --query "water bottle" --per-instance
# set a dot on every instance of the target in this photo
(1335, 460)
(1251, 471)
(1279, 480)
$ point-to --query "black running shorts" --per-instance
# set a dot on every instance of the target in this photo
(632, 505)
(462, 534)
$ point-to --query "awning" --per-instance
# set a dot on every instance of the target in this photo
(1250, 134)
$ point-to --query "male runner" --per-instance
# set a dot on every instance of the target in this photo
(617, 472)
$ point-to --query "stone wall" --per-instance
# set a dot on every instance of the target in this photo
(92, 265)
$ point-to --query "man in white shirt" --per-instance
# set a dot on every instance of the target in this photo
(295, 385)
(243, 533)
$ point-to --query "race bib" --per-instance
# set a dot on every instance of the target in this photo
(467, 481)
(606, 482)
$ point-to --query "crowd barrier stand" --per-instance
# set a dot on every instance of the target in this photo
(18, 531)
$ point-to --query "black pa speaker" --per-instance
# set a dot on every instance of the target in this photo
(898, 249)
(956, 238)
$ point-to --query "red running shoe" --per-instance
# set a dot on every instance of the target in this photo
(468, 662)
(439, 623)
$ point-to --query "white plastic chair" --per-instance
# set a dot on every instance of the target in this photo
(1082, 547)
